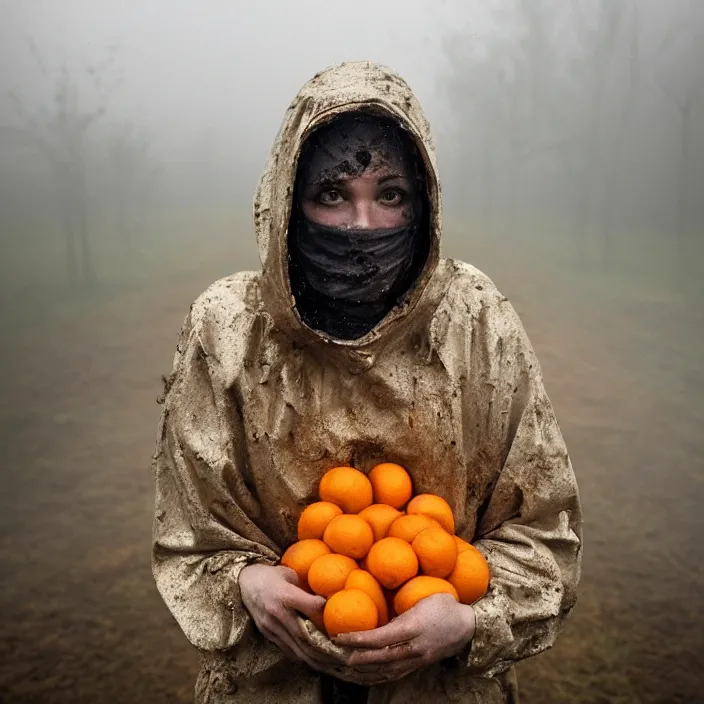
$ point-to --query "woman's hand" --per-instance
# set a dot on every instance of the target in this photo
(434, 629)
(272, 597)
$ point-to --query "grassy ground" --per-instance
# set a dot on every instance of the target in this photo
(621, 350)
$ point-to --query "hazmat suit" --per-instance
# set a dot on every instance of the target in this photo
(259, 405)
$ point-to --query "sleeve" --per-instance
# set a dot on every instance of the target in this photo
(531, 528)
(203, 531)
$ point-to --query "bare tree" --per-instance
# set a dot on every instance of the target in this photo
(684, 92)
(509, 89)
(552, 103)
(599, 35)
(58, 133)
(627, 99)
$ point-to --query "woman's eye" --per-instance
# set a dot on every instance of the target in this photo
(330, 196)
(392, 197)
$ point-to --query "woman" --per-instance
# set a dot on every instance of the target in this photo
(356, 344)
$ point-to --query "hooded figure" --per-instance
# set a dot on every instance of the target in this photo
(356, 344)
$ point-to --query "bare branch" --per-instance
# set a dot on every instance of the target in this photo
(85, 121)
(674, 31)
(31, 126)
(18, 105)
(36, 55)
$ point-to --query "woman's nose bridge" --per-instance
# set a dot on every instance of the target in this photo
(362, 213)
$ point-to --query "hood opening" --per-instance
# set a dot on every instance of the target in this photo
(346, 281)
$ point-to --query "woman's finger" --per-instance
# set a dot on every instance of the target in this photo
(309, 604)
(400, 630)
(289, 575)
(277, 635)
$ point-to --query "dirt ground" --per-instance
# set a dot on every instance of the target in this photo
(81, 619)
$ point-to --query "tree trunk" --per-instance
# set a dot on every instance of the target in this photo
(122, 228)
(87, 269)
(123, 220)
(683, 182)
(611, 220)
(569, 198)
(488, 174)
(70, 247)
(69, 233)
(509, 219)
(589, 166)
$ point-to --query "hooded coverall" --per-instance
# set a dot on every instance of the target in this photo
(258, 406)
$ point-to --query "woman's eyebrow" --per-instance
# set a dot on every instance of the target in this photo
(390, 177)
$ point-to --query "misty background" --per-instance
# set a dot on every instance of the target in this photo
(579, 119)
(570, 137)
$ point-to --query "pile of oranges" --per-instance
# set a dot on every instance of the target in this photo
(373, 550)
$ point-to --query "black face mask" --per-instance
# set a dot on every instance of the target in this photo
(345, 281)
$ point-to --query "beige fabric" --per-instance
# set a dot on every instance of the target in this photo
(258, 407)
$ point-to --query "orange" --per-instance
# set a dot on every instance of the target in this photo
(347, 487)
(361, 579)
(463, 545)
(380, 517)
(436, 550)
(328, 574)
(315, 518)
(301, 555)
(349, 611)
(392, 485)
(435, 507)
(349, 535)
(392, 561)
(407, 527)
(420, 588)
(471, 576)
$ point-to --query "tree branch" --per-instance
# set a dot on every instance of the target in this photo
(36, 55)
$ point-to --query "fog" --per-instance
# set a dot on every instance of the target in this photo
(206, 89)
(582, 119)
(570, 138)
